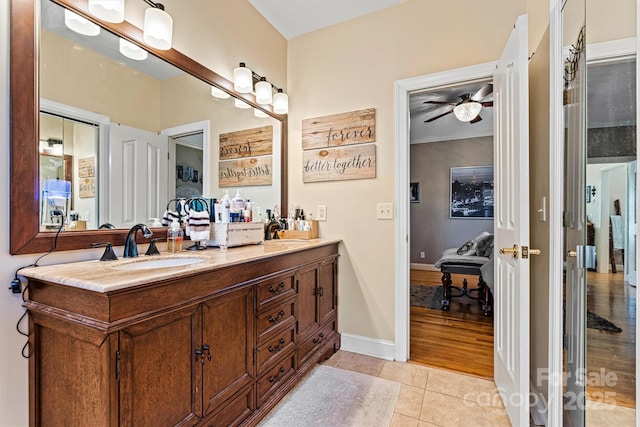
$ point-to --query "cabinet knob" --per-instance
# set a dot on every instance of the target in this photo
(319, 339)
(273, 349)
(277, 319)
(278, 289)
(278, 377)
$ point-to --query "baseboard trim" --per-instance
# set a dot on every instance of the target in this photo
(538, 410)
(425, 267)
(381, 349)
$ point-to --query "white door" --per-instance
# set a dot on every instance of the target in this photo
(511, 224)
(138, 176)
(632, 226)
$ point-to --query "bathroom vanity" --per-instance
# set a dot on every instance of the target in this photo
(216, 341)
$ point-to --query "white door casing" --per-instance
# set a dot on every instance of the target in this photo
(511, 225)
(138, 189)
(630, 267)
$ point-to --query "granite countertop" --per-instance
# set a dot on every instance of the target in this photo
(107, 276)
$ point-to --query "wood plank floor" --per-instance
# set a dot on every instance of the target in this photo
(610, 352)
(460, 340)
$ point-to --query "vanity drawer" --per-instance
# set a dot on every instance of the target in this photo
(235, 411)
(272, 319)
(315, 342)
(278, 288)
(275, 377)
(274, 348)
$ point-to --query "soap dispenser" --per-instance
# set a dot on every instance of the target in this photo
(175, 236)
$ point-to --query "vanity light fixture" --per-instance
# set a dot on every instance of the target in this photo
(132, 51)
(243, 79)
(107, 10)
(260, 114)
(219, 93)
(158, 26)
(467, 111)
(80, 24)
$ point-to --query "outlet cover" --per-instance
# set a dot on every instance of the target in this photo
(384, 211)
(321, 212)
(422, 255)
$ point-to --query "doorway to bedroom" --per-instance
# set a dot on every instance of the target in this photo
(451, 212)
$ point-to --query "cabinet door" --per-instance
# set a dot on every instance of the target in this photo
(307, 307)
(228, 336)
(158, 370)
(327, 291)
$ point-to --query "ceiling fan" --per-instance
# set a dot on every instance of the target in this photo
(469, 106)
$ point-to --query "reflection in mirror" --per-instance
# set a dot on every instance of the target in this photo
(134, 162)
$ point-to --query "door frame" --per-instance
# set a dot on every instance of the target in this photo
(402, 243)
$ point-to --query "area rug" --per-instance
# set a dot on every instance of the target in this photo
(598, 322)
(336, 397)
(426, 296)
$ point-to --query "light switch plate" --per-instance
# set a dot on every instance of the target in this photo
(321, 212)
(384, 211)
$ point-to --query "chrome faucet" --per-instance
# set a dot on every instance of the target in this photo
(130, 246)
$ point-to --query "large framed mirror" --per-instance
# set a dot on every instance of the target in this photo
(67, 124)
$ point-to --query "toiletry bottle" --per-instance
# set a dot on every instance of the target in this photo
(226, 208)
(175, 237)
(238, 201)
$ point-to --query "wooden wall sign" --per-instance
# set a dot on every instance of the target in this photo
(337, 164)
(246, 143)
(245, 172)
(356, 127)
(87, 167)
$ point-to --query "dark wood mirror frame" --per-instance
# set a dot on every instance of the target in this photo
(25, 235)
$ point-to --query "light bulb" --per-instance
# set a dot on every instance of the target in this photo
(467, 111)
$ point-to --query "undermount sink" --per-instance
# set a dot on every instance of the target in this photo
(158, 263)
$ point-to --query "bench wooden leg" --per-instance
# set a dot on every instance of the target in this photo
(486, 297)
(446, 291)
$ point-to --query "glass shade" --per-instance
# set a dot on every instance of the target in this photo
(241, 104)
(264, 93)
(242, 79)
(132, 51)
(80, 24)
(467, 111)
(219, 93)
(280, 102)
(158, 28)
(259, 113)
(107, 10)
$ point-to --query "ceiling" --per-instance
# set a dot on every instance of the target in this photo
(295, 17)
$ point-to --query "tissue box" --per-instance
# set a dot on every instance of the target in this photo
(237, 234)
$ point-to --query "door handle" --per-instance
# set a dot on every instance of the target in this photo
(572, 253)
(515, 251)
(526, 251)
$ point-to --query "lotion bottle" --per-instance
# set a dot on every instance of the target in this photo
(175, 236)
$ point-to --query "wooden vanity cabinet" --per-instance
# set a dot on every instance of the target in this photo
(218, 348)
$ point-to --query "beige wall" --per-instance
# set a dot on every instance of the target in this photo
(354, 65)
(204, 29)
(432, 230)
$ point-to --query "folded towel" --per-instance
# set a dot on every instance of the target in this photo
(198, 225)
(617, 231)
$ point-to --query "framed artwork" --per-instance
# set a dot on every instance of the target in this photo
(471, 192)
(414, 192)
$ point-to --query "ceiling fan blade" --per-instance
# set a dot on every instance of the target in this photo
(487, 104)
(483, 92)
(476, 119)
(437, 117)
(440, 102)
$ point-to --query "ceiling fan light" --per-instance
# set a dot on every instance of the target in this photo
(132, 51)
(80, 24)
(219, 93)
(264, 93)
(467, 111)
(280, 102)
(157, 28)
(242, 79)
(241, 104)
(107, 10)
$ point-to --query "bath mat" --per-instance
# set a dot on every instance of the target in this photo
(336, 397)
(426, 296)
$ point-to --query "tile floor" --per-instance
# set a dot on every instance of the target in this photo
(429, 396)
(435, 397)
